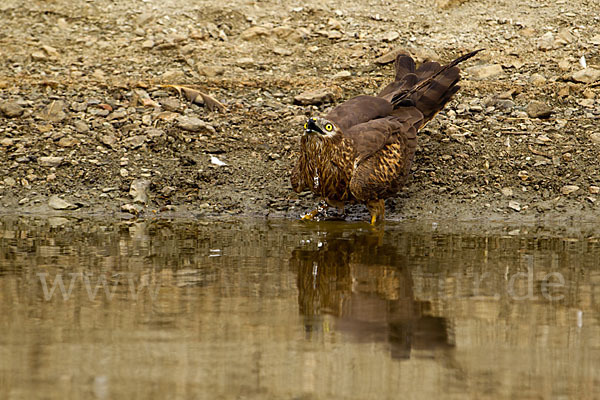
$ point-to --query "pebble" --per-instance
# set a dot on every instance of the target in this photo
(315, 97)
(245, 62)
(11, 109)
(506, 191)
(538, 109)
(546, 41)
(9, 181)
(255, 32)
(135, 141)
(172, 75)
(7, 142)
(568, 189)
(170, 104)
(537, 79)
(67, 141)
(594, 189)
(480, 72)
(587, 75)
(139, 190)
(514, 205)
(342, 76)
(50, 161)
(391, 36)
(194, 124)
(81, 126)
(53, 112)
(57, 203)
(123, 172)
(595, 137)
(134, 209)
(108, 140)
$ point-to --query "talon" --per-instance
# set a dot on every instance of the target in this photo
(309, 216)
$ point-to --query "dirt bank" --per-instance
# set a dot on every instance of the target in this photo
(83, 114)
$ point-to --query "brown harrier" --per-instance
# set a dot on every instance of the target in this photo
(363, 149)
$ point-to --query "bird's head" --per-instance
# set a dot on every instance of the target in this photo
(320, 127)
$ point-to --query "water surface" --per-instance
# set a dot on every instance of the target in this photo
(256, 310)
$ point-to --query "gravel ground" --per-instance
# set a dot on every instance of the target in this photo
(89, 123)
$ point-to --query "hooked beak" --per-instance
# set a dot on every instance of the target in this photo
(311, 126)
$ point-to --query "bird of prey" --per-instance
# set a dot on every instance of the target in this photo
(362, 151)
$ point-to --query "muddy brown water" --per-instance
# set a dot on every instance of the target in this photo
(254, 310)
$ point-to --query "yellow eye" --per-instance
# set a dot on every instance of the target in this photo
(306, 125)
(328, 127)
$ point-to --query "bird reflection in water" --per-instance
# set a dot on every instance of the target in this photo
(368, 287)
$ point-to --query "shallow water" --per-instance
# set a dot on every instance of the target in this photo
(256, 310)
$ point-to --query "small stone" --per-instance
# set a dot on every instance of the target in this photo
(7, 142)
(594, 189)
(194, 124)
(108, 140)
(506, 191)
(537, 79)
(168, 191)
(564, 64)
(587, 75)
(57, 203)
(589, 93)
(147, 44)
(514, 205)
(51, 51)
(595, 40)
(53, 112)
(50, 161)
(24, 200)
(170, 104)
(342, 76)
(139, 190)
(210, 71)
(587, 103)
(81, 126)
(315, 97)
(254, 33)
(537, 109)
(123, 172)
(282, 51)
(595, 137)
(391, 36)
(172, 75)
(245, 62)
(11, 109)
(135, 141)
(39, 56)
(546, 42)
(480, 72)
(67, 141)
(334, 35)
(9, 181)
(568, 189)
(134, 209)
(116, 115)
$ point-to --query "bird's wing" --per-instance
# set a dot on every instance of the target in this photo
(359, 110)
(386, 149)
(372, 136)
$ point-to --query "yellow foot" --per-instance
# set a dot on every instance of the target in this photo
(377, 209)
(309, 216)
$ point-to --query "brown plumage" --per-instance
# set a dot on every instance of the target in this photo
(362, 151)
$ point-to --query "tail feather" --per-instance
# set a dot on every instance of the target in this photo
(434, 86)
